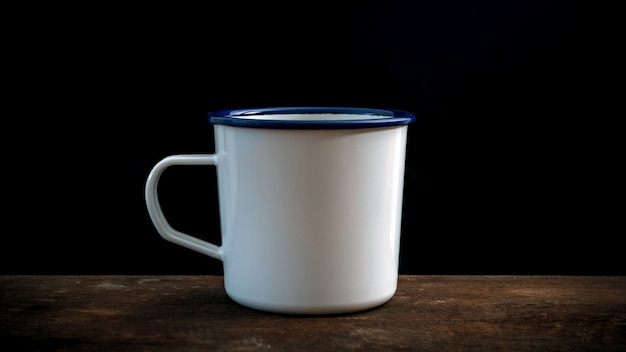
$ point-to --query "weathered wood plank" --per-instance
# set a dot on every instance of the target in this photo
(428, 313)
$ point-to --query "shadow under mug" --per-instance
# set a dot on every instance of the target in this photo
(310, 202)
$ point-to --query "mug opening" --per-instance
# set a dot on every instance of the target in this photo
(311, 117)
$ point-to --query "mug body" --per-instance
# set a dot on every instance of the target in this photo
(310, 211)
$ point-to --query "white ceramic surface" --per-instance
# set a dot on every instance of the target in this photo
(310, 218)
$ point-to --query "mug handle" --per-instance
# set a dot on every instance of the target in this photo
(156, 213)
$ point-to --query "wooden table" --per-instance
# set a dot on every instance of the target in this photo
(428, 313)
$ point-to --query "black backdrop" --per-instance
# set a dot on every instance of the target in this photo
(511, 162)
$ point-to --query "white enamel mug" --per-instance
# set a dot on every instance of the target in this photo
(310, 202)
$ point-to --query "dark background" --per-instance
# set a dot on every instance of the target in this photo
(512, 163)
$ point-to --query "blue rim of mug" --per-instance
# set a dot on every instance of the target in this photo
(266, 117)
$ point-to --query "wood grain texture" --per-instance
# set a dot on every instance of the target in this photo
(428, 313)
